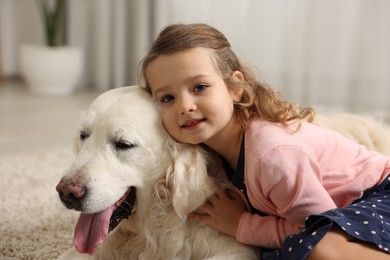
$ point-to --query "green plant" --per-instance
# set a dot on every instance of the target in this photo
(53, 12)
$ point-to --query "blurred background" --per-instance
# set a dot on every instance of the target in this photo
(332, 55)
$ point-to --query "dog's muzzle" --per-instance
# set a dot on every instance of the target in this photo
(92, 229)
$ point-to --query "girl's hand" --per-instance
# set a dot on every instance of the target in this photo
(223, 212)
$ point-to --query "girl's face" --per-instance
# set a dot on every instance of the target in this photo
(196, 105)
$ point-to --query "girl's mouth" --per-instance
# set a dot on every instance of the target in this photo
(193, 123)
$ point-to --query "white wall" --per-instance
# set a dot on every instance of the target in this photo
(20, 23)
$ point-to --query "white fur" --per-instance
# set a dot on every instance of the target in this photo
(171, 179)
(362, 129)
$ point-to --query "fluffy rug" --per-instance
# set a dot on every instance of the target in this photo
(33, 222)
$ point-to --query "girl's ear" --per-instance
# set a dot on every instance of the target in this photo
(237, 75)
(237, 89)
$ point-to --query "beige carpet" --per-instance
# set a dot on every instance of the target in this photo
(33, 222)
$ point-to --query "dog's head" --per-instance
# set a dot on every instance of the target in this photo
(122, 147)
(119, 144)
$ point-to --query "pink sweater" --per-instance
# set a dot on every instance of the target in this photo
(292, 175)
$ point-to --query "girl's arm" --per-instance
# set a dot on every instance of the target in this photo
(287, 187)
(267, 231)
(225, 211)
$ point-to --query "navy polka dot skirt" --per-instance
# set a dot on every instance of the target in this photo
(367, 219)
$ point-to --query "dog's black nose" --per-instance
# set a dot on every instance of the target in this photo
(71, 193)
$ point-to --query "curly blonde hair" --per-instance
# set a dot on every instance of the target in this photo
(258, 99)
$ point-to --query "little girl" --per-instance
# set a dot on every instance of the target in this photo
(287, 167)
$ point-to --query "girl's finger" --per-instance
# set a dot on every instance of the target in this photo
(198, 217)
(215, 198)
(207, 208)
(233, 195)
(221, 194)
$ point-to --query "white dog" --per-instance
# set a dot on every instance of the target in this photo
(127, 166)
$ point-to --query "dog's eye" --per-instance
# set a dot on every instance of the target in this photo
(121, 145)
(83, 135)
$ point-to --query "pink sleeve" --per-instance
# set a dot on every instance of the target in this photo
(288, 181)
(268, 231)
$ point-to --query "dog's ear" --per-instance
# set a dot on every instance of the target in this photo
(188, 178)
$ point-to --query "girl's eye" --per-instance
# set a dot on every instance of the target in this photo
(200, 87)
(166, 99)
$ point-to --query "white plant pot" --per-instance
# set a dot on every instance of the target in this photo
(51, 71)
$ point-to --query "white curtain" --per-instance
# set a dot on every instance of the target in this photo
(115, 35)
(333, 55)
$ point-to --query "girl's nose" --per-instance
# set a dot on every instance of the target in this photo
(187, 106)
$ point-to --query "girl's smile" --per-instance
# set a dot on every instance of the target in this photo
(192, 124)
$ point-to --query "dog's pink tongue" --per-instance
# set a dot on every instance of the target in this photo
(91, 230)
